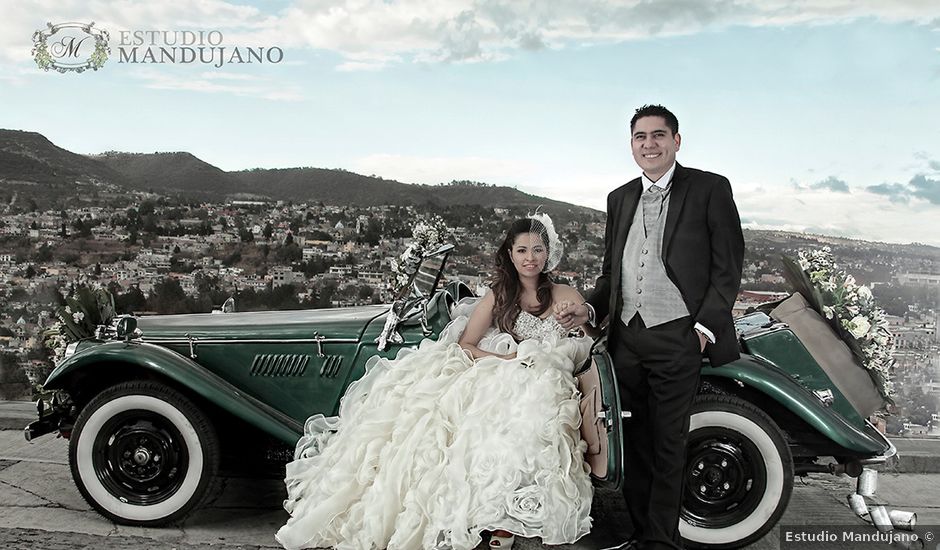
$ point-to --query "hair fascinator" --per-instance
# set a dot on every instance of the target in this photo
(543, 225)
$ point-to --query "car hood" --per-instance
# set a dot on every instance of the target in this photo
(349, 322)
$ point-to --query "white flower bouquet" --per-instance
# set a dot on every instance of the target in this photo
(427, 236)
(850, 309)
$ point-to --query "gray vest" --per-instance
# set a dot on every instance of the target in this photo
(647, 290)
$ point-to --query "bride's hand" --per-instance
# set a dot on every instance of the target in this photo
(559, 307)
(570, 315)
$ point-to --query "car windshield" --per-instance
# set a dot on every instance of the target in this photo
(431, 270)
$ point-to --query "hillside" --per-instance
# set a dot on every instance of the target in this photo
(30, 157)
(178, 172)
(343, 187)
(32, 166)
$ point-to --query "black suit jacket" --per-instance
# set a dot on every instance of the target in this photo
(703, 252)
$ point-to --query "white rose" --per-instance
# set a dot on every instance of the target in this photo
(527, 504)
(78, 316)
(860, 326)
(829, 312)
(864, 293)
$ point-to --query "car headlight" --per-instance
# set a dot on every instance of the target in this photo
(70, 350)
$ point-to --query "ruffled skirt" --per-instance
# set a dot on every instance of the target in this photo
(431, 448)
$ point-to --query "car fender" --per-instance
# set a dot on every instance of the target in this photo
(774, 383)
(184, 372)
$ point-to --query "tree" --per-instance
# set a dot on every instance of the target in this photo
(44, 254)
(13, 381)
(268, 231)
(168, 297)
(145, 208)
(129, 302)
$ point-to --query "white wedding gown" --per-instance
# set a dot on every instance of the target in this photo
(431, 448)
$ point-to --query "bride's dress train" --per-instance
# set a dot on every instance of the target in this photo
(431, 448)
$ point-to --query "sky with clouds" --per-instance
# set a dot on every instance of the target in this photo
(823, 113)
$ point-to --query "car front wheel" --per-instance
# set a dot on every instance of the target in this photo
(738, 475)
(141, 453)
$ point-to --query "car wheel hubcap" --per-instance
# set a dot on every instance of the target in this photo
(139, 457)
(725, 478)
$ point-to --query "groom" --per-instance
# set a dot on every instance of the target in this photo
(672, 268)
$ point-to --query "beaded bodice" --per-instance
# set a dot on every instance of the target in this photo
(529, 326)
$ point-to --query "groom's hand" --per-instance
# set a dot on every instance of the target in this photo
(702, 340)
(570, 315)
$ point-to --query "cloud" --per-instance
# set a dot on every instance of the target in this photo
(832, 184)
(861, 215)
(486, 30)
(218, 82)
(924, 188)
(894, 191)
(934, 165)
(423, 31)
(920, 187)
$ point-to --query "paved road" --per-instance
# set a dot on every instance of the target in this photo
(41, 508)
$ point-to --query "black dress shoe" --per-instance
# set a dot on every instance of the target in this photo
(631, 544)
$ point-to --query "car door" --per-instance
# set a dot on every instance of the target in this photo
(602, 418)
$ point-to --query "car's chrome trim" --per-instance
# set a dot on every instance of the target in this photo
(201, 341)
(889, 453)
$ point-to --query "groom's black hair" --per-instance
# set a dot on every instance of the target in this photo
(656, 110)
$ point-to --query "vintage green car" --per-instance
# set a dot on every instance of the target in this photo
(153, 406)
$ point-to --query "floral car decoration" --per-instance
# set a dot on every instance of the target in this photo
(84, 311)
(850, 309)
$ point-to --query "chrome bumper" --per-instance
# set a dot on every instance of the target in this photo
(890, 453)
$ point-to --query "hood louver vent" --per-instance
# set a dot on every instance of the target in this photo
(279, 365)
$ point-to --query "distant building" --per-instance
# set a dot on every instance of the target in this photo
(929, 279)
(342, 270)
(310, 253)
(372, 278)
(282, 275)
(912, 429)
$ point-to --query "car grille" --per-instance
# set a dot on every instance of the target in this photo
(279, 365)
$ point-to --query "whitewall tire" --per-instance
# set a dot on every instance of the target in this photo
(738, 475)
(141, 453)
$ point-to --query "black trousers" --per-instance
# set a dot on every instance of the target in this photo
(658, 374)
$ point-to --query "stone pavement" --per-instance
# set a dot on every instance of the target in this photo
(41, 508)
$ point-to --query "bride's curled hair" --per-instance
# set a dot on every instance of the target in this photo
(505, 283)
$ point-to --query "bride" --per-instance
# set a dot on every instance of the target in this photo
(476, 431)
